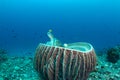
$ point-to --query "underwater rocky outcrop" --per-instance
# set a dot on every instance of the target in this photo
(3, 55)
(113, 54)
(73, 61)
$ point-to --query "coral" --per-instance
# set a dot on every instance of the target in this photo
(113, 54)
(3, 55)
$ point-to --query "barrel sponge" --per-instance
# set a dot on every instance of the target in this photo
(73, 61)
(58, 63)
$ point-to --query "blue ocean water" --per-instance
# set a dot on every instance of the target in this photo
(24, 23)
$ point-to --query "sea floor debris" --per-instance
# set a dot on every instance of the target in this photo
(21, 68)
